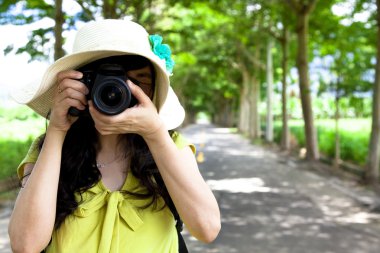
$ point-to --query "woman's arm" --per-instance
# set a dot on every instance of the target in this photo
(191, 195)
(33, 218)
(32, 221)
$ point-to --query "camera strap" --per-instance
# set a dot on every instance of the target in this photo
(182, 248)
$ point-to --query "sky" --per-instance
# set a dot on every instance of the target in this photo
(15, 70)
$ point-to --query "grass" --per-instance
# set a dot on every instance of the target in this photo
(354, 137)
(20, 124)
(8, 195)
(347, 125)
(18, 128)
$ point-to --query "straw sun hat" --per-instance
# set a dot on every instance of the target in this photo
(104, 38)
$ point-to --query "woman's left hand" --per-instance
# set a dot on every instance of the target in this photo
(142, 119)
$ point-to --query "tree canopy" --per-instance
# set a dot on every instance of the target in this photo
(327, 49)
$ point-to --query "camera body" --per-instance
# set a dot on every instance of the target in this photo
(108, 88)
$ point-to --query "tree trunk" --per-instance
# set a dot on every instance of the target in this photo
(269, 72)
(223, 116)
(109, 9)
(254, 96)
(336, 162)
(285, 137)
(255, 108)
(303, 72)
(372, 170)
(190, 117)
(59, 20)
(244, 103)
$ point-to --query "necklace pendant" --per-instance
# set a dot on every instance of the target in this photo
(100, 165)
(103, 165)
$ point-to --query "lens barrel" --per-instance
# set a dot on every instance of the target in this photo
(111, 95)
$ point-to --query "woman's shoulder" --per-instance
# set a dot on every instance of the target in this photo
(31, 156)
(181, 141)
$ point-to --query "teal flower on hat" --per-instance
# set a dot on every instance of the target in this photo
(162, 51)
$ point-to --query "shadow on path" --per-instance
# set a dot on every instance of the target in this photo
(273, 204)
(5, 212)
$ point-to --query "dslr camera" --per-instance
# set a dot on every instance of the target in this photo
(108, 88)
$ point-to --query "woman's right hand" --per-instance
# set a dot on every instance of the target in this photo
(69, 92)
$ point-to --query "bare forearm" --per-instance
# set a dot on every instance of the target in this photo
(192, 197)
(35, 207)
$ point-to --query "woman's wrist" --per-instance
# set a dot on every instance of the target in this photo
(57, 133)
(157, 134)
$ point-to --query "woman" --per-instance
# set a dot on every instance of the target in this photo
(104, 183)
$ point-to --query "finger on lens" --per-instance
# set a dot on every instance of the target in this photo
(137, 91)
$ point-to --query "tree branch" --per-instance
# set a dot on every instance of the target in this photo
(86, 10)
(273, 33)
(310, 7)
(251, 58)
(294, 5)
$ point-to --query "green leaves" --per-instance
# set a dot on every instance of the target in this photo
(212, 41)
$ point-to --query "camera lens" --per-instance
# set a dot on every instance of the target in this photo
(111, 95)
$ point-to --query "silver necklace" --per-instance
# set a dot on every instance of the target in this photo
(103, 165)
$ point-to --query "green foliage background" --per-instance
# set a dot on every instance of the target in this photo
(18, 128)
(353, 134)
(212, 42)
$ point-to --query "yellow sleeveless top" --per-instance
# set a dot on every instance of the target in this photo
(112, 222)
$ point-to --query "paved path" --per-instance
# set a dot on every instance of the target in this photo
(274, 204)
(5, 212)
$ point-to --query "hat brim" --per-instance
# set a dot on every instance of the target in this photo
(172, 112)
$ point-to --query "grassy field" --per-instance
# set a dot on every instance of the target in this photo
(18, 128)
(354, 137)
